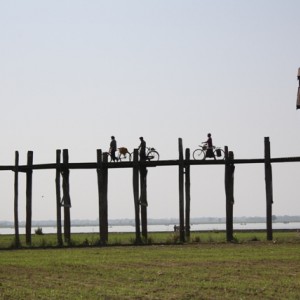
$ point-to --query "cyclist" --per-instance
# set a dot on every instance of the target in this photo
(209, 150)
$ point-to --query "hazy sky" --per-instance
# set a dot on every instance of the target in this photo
(73, 73)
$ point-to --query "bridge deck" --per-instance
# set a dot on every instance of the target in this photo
(130, 164)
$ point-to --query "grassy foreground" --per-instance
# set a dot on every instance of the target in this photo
(252, 270)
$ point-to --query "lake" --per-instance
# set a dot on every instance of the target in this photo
(163, 228)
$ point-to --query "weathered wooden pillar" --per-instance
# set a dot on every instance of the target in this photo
(187, 193)
(298, 93)
(143, 200)
(58, 198)
(136, 195)
(29, 197)
(66, 201)
(16, 200)
(229, 192)
(105, 160)
(269, 188)
(100, 190)
(181, 190)
(102, 174)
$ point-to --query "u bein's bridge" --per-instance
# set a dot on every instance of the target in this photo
(140, 170)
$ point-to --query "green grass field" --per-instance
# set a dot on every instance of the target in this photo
(210, 271)
(206, 268)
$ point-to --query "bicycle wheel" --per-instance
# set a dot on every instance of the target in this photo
(198, 154)
(219, 154)
(153, 155)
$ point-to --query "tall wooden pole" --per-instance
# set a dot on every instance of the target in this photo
(269, 187)
(105, 180)
(181, 190)
(229, 192)
(298, 94)
(143, 200)
(29, 197)
(66, 196)
(187, 193)
(100, 188)
(16, 200)
(136, 195)
(58, 198)
(102, 173)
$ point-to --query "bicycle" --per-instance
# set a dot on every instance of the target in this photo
(201, 153)
(152, 154)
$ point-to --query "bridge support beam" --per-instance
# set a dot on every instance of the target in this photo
(229, 192)
(16, 200)
(29, 197)
(102, 174)
(181, 191)
(143, 200)
(269, 188)
(187, 194)
(58, 198)
(66, 201)
(135, 181)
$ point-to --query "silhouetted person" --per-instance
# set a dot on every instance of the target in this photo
(113, 148)
(142, 149)
(209, 150)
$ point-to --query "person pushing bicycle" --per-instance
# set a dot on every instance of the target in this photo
(209, 150)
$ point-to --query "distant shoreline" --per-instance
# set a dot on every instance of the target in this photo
(160, 222)
(212, 227)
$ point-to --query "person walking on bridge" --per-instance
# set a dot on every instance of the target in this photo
(113, 148)
(142, 149)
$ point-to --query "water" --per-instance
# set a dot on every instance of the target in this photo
(162, 228)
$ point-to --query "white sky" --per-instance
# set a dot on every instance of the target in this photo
(73, 73)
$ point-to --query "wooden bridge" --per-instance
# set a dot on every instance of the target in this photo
(140, 170)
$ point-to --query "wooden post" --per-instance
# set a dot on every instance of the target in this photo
(16, 200)
(269, 188)
(143, 200)
(66, 196)
(229, 191)
(58, 199)
(29, 197)
(136, 195)
(187, 193)
(100, 188)
(105, 180)
(102, 174)
(181, 191)
(298, 94)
